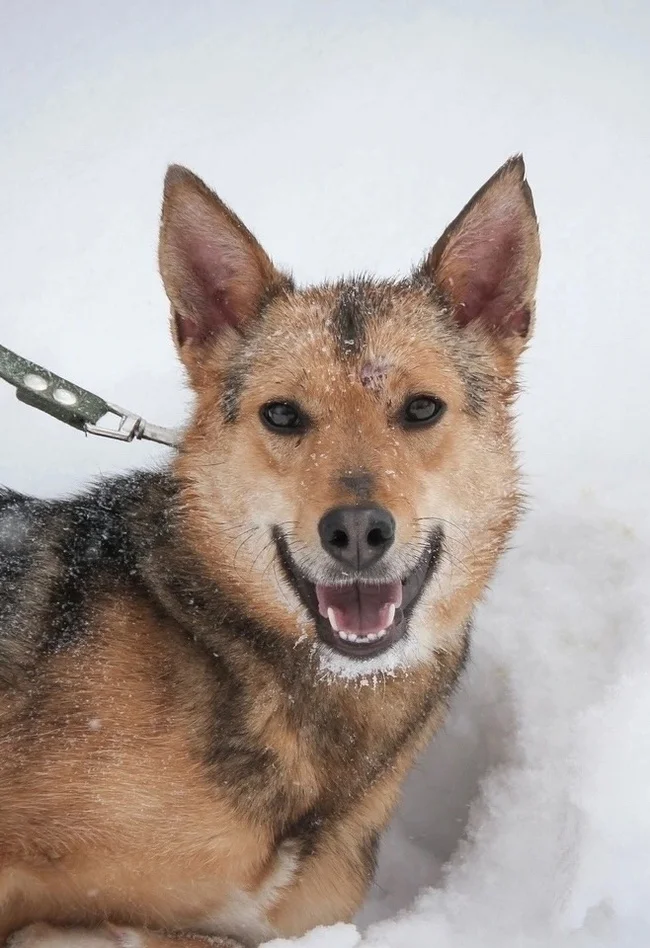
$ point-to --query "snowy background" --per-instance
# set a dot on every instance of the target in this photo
(347, 135)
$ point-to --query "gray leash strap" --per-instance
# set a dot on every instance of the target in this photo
(75, 406)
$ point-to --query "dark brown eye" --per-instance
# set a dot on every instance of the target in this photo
(422, 410)
(283, 417)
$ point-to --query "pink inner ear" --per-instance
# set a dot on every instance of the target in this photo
(486, 262)
(214, 270)
(208, 303)
(199, 331)
(487, 287)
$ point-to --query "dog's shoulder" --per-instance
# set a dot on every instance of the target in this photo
(23, 541)
(57, 557)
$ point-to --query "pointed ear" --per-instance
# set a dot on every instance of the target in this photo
(215, 273)
(486, 262)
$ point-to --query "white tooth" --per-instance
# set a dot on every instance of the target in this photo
(391, 614)
(331, 615)
(352, 637)
(372, 636)
(343, 635)
(381, 634)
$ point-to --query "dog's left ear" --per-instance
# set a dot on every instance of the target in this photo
(486, 262)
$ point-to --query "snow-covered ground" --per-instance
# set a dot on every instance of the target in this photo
(347, 134)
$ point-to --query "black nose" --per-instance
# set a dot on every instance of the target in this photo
(357, 536)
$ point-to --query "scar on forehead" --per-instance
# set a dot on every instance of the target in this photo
(374, 373)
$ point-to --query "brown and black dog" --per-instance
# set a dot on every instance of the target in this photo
(214, 677)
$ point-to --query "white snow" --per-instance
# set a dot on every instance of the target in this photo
(347, 135)
(549, 743)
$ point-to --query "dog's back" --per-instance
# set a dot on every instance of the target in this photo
(55, 559)
(26, 541)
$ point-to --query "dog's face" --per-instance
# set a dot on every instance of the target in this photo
(349, 469)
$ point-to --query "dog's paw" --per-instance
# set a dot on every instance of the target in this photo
(41, 935)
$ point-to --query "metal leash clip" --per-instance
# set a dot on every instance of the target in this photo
(133, 428)
(130, 426)
(74, 405)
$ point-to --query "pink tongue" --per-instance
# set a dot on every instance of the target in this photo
(362, 608)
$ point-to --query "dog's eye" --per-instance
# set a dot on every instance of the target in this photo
(423, 410)
(282, 417)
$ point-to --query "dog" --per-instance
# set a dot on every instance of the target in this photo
(215, 676)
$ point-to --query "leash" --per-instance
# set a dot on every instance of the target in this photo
(75, 406)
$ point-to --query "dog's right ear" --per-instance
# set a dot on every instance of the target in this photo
(215, 273)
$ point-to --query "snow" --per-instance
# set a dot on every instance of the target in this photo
(346, 136)
(547, 742)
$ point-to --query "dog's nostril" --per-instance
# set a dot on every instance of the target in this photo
(357, 536)
(377, 537)
(340, 539)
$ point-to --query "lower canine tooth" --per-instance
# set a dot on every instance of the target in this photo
(331, 615)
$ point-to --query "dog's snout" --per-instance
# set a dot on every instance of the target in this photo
(357, 536)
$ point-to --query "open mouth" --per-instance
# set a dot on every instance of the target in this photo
(361, 619)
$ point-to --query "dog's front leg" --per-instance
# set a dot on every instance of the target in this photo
(41, 935)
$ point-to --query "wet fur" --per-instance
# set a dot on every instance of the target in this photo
(179, 751)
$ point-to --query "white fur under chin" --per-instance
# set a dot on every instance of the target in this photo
(414, 648)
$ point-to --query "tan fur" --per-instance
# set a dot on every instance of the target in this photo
(152, 844)
(108, 811)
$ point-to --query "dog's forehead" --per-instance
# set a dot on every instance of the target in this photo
(371, 320)
(354, 335)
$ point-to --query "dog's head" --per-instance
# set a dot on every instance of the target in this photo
(348, 468)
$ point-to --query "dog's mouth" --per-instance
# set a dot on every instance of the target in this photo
(361, 619)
